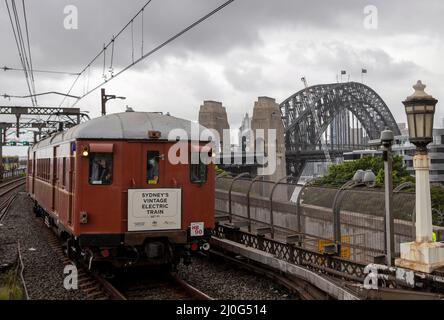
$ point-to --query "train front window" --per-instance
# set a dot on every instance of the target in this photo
(198, 172)
(101, 168)
(153, 158)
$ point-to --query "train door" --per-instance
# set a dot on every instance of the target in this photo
(153, 169)
(55, 178)
(71, 183)
(34, 170)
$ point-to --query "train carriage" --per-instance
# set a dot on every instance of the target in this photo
(111, 190)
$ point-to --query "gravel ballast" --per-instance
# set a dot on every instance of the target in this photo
(223, 280)
(43, 272)
(44, 275)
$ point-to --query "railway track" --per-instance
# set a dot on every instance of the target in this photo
(7, 196)
(296, 286)
(96, 287)
(91, 284)
(158, 285)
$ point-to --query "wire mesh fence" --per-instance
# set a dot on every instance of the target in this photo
(13, 173)
(282, 210)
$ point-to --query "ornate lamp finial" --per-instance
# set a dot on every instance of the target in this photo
(419, 86)
(419, 92)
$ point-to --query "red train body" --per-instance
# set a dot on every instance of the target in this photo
(110, 190)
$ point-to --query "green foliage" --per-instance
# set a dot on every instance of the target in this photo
(437, 197)
(11, 289)
(218, 170)
(339, 174)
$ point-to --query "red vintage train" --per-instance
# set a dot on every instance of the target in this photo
(110, 190)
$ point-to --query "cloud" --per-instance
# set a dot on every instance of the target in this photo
(251, 48)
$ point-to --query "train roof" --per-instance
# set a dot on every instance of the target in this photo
(127, 126)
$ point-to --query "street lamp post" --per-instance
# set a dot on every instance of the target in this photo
(105, 98)
(422, 254)
(387, 141)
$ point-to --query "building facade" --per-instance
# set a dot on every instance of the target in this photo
(403, 147)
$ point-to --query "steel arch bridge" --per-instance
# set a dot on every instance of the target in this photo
(353, 112)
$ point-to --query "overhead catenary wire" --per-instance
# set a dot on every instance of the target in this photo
(5, 68)
(29, 48)
(132, 41)
(38, 94)
(157, 48)
(15, 31)
(26, 54)
(102, 51)
(142, 35)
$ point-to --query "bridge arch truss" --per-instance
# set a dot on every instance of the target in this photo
(335, 106)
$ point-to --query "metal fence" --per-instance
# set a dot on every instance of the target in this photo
(281, 210)
(13, 173)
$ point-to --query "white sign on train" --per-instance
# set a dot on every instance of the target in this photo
(154, 209)
(197, 229)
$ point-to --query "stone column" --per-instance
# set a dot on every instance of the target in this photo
(424, 227)
(213, 115)
(267, 115)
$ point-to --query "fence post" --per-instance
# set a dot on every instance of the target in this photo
(271, 204)
(229, 193)
(248, 200)
(298, 206)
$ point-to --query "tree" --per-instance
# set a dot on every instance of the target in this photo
(339, 174)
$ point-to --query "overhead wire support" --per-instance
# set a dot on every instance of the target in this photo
(160, 46)
(111, 69)
(102, 51)
(7, 96)
(5, 68)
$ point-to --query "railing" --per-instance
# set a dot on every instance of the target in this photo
(13, 173)
(292, 253)
(279, 210)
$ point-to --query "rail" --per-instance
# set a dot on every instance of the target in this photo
(5, 189)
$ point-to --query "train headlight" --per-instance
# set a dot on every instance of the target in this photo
(85, 151)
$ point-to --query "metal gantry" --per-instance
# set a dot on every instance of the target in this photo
(354, 112)
(67, 117)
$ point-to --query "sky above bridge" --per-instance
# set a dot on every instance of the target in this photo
(251, 48)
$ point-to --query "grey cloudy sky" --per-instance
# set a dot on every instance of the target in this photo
(251, 48)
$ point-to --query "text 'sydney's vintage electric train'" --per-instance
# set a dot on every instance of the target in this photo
(108, 188)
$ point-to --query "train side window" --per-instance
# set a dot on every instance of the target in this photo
(101, 168)
(198, 172)
(152, 167)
